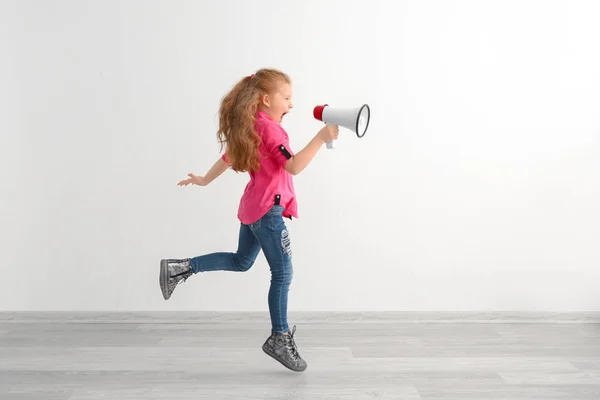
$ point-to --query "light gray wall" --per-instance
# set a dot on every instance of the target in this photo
(476, 187)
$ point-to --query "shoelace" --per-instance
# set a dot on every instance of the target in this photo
(290, 344)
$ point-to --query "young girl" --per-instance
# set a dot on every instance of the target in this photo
(249, 125)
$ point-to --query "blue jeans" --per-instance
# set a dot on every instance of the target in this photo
(271, 235)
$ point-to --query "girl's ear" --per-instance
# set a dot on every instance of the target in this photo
(266, 100)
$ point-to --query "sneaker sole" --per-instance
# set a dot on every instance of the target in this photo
(163, 278)
(269, 353)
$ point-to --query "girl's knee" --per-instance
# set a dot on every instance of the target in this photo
(243, 264)
(283, 276)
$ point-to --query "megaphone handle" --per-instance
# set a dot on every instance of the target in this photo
(330, 143)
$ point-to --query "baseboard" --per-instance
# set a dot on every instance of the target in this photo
(305, 317)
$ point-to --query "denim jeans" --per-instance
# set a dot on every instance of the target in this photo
(271, 235)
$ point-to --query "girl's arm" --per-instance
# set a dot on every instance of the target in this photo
(216, 170)
(297, 163)
(213, 173)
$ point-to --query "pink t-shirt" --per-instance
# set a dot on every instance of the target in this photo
(271, 181)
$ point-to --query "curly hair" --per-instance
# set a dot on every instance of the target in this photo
(237, 116)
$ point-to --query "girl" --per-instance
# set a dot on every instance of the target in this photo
(249, 125)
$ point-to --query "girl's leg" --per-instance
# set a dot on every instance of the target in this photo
(240, 261)
(272, 234)
(174, 271)
(275, 242)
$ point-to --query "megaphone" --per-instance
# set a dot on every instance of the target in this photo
(355, 119)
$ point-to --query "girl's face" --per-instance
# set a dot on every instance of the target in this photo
(279, 102)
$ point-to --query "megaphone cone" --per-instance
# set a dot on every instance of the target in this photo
(355, 119)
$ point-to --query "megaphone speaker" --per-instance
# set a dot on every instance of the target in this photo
(355, 119)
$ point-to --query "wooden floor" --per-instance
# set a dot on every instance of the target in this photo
(112, 358)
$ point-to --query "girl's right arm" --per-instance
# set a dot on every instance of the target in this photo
(300, 160)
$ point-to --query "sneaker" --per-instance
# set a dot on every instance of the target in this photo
(172, 272)
(283, 349)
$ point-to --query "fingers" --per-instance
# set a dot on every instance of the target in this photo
(186, 182)
(334, 130)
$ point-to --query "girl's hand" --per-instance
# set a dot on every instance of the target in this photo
(329, 133)
(194, 180)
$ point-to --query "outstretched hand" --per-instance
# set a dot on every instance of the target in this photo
(193, 180)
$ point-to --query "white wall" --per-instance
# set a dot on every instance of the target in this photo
(476, 187)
